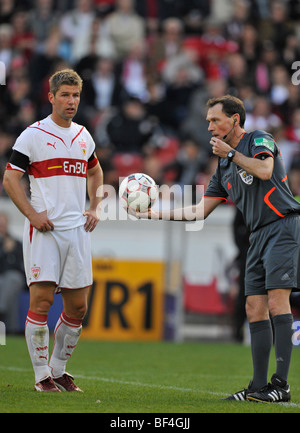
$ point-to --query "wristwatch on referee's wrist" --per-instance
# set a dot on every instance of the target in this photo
(230, 155)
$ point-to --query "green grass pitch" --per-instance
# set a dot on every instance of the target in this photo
(119, 377)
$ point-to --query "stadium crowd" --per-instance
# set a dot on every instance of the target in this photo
(148, 68)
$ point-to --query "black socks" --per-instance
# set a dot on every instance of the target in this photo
(283, 343)
(261, 345)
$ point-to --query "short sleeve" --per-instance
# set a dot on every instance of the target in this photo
(215, 189)
(23, 143)
(21, 154)
(263, 145)
(91, 144)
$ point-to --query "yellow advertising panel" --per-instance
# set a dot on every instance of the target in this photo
(126, 301)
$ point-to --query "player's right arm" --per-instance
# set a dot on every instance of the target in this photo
(13, 186)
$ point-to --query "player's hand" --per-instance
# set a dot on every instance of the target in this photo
(91, 220)
(219, 147)
(41, 222)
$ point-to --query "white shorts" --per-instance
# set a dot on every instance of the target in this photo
(62, 257)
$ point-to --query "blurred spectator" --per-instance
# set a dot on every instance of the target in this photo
(212, 47)
(6, 142)
(189, 162)
(234, 27)
(130, 129)
(261, 116)
(102, 90)
(6, 51)
(293, 130)
(186, 59)
(165, 45)
(23, 39)
(134, 74)
(125, 28)
(12, 280)
(104, 6)
(149, 11)
(164, 8)
(260, 10)
(157, 104)
(99, 46)
(221, 11)
(250, 47)
(195, 124)
(237, 72)
(288, 108)
(43, 64)
(294, 177)
(7, 10)
(19, 93)
(14, 100)
(267, 60)
(42, 19)
(278, 27)
(246, 93)
(76, 26)
(288, 148)
(280, 80)
(294, 10)
(182, 77)
(192, 13)
(291, 50)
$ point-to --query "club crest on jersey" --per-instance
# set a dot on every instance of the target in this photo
(82, 145)
(246, 178)
(36, 271)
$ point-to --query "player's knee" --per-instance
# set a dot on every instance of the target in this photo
(41, 306)
(41, 297)
(77, 312)
(81, 311)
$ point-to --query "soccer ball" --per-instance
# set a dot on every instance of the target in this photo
(138, 191)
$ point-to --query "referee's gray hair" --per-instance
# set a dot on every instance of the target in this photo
(65, 76)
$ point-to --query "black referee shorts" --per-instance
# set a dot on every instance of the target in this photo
(273, 260)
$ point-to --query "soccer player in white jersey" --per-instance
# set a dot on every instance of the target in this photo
(59, 157)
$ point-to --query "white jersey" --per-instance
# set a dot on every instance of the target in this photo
(58, 163)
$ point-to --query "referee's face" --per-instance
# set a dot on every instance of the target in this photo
(65, 103)
(219, 123)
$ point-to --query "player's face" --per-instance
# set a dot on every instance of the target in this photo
(65, 102)
(219, 123)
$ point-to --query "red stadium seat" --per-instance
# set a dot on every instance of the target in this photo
(168, 151)
(127, 163)
(204, 298)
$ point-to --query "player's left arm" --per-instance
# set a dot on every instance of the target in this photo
(95, 193)
(261, 168)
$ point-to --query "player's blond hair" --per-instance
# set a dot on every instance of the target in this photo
(65, 76)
